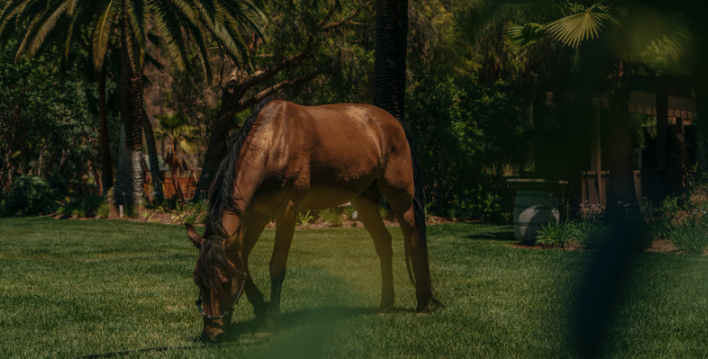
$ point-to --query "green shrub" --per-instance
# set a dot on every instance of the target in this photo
(29, 195)
(103, 210)
(91, 204)
(556, 235)
(332, 217)
(642, 232)
(349, 211)
(690, 238)
(383, 212)
(304, 219)
(592, 234)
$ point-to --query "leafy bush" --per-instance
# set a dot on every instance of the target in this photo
(29, 195)
(349, 211)
(383, 212)
(103, 210)
(643, 233)
(304, 219)
(556, 235)
(592, 234)
(690, 238)
(332, 217)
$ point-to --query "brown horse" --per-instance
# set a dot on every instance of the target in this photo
(287, 158)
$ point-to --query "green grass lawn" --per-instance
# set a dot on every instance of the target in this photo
(72, 288)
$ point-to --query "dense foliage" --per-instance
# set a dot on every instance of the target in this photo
(45, 127)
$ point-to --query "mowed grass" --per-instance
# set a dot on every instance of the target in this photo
(73, 288)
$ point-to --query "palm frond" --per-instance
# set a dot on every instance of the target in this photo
(43, 31)
(526, 34)
(203, 53)
(213, 22)
(138, 20)
(170, 30)
(152, 62)
(9, 14)
(71, 6)
(586, 25)
(101, 33)
(674, 38)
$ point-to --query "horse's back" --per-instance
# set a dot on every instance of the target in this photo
(331, 152)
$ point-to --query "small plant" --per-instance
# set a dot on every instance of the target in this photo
(664, 216)
(556, 235)
(146, 215)
(592, 234)
(78, 212)
(332, 217)
(349, 211)
(304, 219)
(103, 210)
(190, 218)
(690, 238)
(428, 217)
(383, 212)
(643, 233)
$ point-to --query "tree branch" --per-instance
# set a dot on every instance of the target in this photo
(279, 86)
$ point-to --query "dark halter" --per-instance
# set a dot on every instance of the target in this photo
(226, 313)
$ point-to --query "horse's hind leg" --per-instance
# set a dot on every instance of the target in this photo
(401, 201)
(255, 225)
(284, 230)
(371, 217)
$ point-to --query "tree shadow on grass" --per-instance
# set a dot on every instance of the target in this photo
(310, 316)
(505, 233)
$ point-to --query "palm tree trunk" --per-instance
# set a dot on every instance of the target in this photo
(129, 174)
(106, 166)
(152, 155)
(175, 170)
(620, 189)
(390, 64)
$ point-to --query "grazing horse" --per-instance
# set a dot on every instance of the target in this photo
(288, 158)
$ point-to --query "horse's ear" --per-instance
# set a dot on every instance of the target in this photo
(194, 236)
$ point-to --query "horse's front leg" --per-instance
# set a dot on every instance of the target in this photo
(254, 229)
(284, 229)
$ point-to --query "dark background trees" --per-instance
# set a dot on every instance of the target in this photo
(443, 67)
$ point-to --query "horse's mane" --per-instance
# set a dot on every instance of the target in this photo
(221, 192)
(212, 258)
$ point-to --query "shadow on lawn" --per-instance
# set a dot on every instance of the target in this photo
(314, 316)
(505, 233)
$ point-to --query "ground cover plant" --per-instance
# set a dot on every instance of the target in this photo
(72, 288)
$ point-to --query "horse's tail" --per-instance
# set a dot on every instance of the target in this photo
(417, 250)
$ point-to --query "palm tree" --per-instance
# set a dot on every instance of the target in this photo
(638, 38)
(177, 21)
(174, 127)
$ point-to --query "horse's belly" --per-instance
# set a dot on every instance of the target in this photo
(322, 198)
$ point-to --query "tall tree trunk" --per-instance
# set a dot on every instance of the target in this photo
(217, 148)
(152, 156)
(620, 189)
(390, 64)
(129, 174)
(175, 170)
(106, 166)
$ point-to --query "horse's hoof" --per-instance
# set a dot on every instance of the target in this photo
(422, 311)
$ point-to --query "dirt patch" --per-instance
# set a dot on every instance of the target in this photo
(570, 247)
(662, 246)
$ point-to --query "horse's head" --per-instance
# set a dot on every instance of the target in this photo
(221, 280)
